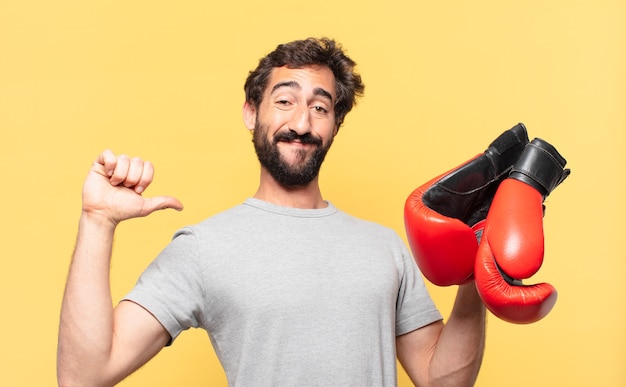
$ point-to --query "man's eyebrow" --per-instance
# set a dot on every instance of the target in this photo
(295, 85)
(323, 93)
(291, 84)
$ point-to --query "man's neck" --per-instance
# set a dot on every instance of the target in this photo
(307, 197)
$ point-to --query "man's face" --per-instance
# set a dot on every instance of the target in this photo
(294, 125)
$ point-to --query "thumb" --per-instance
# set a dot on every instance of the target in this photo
(161, 203)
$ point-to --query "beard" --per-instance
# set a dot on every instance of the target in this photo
(303, 170)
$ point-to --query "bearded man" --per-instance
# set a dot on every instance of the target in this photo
(291, 290)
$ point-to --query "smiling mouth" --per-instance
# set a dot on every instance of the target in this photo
(295, 142)
(293, 137)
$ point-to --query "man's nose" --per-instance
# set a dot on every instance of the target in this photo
(300, 120)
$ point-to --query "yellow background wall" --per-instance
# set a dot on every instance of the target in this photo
(163, 80)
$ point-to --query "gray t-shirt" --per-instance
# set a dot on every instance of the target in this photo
(290, 297)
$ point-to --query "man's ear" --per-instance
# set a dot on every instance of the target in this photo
(249, 115)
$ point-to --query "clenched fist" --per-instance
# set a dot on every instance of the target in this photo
(114, 186)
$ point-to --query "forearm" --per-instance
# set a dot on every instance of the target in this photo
(459, 351)
(86, 327)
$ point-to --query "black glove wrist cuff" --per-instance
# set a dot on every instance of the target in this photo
(540, 166)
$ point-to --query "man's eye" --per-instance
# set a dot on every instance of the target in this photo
(319, 109)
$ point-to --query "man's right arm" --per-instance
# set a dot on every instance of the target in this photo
(100, 345)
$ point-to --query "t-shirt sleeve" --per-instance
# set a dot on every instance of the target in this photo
(415, 308)
(171, 286)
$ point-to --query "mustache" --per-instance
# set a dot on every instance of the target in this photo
(290, 135)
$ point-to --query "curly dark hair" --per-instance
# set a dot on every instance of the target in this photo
(311, 51)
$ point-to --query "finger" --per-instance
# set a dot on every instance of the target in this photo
(106, 162)
(161, 203)
(135, 172)
(145, 178)
(121, 170)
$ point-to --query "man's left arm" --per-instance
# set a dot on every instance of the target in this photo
(447, 354)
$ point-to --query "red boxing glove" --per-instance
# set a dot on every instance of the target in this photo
(512, 244)
(442, 216)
